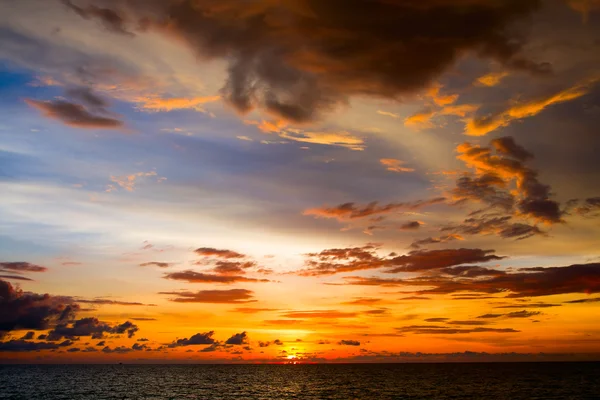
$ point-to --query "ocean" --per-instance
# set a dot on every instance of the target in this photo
(508, 381)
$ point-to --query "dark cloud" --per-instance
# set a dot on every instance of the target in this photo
(344, 342)
(197, 339)
(139, 347)
(113, 302)
(412, 225)
(143, 319)
(232, 267)
(504, 181)
(24, 310)
(516, 314)
(494, 224)
(349, 211)
(86, 96)
(300, 59)
(74, 114)
(469, 271)
(528, 282)
(589, 207)
(508, 147)
(200, 277)
(443, 330)
(434, 240)
(118, 350)
(28, 336)
(579, 301)
(21, 266)
(111, 19)
(529, 305)
(231, 296)
(238, 339)
(423, 260)
(440, 319)
(158, 264)
(332, 261)
(24, 345)
(16, 277)
(275, 342)
(90, 327)
(219, 253)
(467, 323)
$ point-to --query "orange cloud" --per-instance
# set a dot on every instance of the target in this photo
(395, 165)
(485, 125)
(420, 120)
(492, 79)
(156, 104)
(128, 182)
(441, 100)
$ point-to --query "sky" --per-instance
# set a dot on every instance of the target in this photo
(295, 181)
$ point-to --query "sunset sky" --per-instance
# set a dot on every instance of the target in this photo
(299, 180)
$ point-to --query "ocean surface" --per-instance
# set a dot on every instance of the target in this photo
(341, 381)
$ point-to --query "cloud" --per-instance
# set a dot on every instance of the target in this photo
(499, 225)
(530, 305)
(21, 266)
(528, 282)
(199, 277)
(113, 302)
(493, 176)
(440, 319)
(421, 119)
(492, 79)
(412, 225)
(156, 104)
(483, 125)
(231, 296)
(76, 115)
(341, 139)
(112, 20)
(344, 342)
(332, 261)
(589, 207)
(395, 165)
(16, 277)
(90, 326)
(284, 56)
(232, 267)
(194, 340)
(580, 301)
(25, 310)
(349, 211)
(129, 182)
(220, 253)
(252, 310)
(443, 330)
(275, 342)
(238, 339)
(318, 314)
(363, 301)
(24, 345)
(388, 114)
(158, 264)
(516, 314)
(117, 350)
(435, 240)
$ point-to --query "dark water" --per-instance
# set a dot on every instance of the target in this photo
(348, 381)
